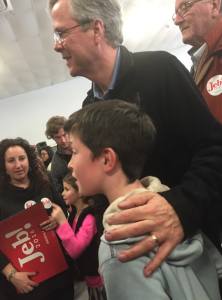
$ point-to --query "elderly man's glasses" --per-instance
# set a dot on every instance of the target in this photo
(58, 34)
(184, 8)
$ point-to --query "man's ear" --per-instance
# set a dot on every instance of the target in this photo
(98, 28)
(216, 8)
(110, 159)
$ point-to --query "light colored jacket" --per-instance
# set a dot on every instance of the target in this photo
(189, 273)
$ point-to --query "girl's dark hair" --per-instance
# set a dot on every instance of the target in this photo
(34, 166)
(72, 181)
(50, 152)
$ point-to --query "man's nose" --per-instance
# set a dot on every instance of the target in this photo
(178, 19)
(57, 46)
(63, 139)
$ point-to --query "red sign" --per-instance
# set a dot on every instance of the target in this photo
(28, 248)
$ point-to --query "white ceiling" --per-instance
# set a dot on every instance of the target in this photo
(28, 61)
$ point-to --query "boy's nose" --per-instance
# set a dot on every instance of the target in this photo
(70, 164)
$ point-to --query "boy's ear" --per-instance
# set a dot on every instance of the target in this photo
(109, 159)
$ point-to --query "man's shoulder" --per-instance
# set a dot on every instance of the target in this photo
(214, 38)
(152, 58)
(56, 158)
(151, 54)
(143, 58)
(89, 98)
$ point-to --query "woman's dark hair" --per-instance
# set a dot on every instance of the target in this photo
(50, 152)
(34, 166)
(72, 181)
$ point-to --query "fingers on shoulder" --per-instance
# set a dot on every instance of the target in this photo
(137, 200)
(138, 249)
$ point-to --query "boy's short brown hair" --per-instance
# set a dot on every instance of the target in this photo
(122, 126)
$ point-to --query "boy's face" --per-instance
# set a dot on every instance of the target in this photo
(87, 171)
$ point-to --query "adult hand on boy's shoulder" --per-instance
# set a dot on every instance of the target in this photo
(152, 214)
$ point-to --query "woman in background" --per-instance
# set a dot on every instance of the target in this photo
(46, 154)
(22, 180)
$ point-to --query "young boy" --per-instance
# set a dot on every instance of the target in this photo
(110, 141)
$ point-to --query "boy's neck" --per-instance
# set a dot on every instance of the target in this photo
(121, 188)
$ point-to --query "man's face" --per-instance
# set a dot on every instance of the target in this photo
(196, 22)
(62, 139)
(87, 170)
(76, 47)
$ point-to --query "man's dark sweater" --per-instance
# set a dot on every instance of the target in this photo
(187, 155)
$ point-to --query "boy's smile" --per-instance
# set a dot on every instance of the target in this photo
(85, 168)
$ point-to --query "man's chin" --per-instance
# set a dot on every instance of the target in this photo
(65, 147)
(186, 37)
(186, 40)
(73, 72)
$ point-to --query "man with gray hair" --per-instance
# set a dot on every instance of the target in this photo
(200, 23)
(188, 152)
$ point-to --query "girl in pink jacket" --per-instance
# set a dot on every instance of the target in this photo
(79, 236)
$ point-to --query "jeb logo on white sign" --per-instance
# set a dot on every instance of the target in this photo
(21, 238)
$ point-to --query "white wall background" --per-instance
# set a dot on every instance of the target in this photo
(26, 115)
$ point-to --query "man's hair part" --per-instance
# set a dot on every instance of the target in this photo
(119, 125)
